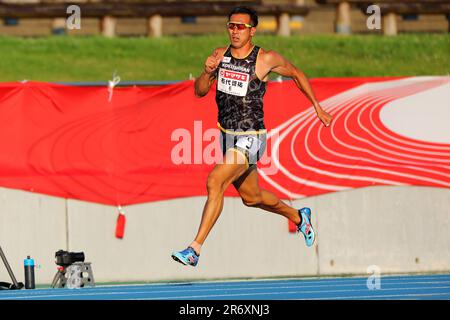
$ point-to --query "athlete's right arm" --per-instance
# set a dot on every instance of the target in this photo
(206, 79)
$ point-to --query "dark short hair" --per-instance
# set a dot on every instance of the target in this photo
(245, 10)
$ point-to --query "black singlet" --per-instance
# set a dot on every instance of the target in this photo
(239, 93)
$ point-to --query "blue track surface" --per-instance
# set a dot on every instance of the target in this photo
(436, 287)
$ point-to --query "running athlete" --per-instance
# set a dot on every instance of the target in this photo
(241, 71)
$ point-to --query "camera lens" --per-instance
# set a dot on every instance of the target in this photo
(77, 256)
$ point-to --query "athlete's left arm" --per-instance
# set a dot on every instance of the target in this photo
(277, 63)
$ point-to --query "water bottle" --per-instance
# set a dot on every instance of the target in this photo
(29, 273)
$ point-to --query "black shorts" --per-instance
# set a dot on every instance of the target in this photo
(251, 145)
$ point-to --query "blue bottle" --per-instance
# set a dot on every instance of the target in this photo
(29, 273)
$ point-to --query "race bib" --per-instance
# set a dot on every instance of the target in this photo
(249, 143)
(233, 82)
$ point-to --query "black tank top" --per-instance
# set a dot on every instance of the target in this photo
(239, 93)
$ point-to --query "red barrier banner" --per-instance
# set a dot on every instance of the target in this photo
(140, 144)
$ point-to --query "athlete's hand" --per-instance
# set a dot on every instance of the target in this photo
(325, 117)
(212, 62)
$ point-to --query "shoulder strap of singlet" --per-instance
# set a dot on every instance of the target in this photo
(228, 51)
(255, 50)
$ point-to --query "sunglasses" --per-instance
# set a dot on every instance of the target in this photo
(239, 26)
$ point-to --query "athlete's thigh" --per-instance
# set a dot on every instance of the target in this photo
(232, 167)
(248, 184)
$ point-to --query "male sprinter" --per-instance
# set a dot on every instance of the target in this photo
(241, 70)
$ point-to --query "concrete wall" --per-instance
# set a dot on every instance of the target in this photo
(399, 229)
(31, 224)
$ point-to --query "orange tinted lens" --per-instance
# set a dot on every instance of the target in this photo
(239, 26)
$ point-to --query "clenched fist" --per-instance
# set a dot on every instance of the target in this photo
(212, 62)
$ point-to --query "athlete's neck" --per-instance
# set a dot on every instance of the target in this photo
(243, 51)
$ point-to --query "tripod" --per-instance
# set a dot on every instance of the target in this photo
(15, 284)
(60, 278)
(71, 276)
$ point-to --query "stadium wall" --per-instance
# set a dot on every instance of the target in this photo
(397, 229)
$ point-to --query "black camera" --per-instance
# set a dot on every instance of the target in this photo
(65, 258)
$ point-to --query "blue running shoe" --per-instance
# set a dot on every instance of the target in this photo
(306, 227)
(188, 257)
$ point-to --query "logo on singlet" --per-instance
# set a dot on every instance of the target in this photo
(233, 82)
(236, 68)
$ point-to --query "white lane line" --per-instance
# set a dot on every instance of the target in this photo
(244, 286)
(289, 292)
(412, 295)
(332, 282)
(235, 286)
(129, 295)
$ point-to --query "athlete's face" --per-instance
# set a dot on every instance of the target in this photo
(239, 37)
